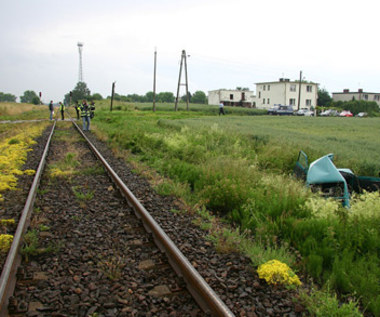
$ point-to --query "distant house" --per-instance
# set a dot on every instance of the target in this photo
(346, 95)
(286, 92)
(242, 98)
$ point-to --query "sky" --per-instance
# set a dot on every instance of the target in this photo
(229, 44)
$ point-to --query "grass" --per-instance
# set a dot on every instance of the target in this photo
(22, 111)
(353, 140)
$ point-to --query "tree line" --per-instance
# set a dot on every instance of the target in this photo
(81, 91)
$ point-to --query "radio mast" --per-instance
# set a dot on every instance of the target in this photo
(80, 47)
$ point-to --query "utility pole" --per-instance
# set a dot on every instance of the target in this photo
(113, 93)
(299, 91)
(183, 60)
(154, 81)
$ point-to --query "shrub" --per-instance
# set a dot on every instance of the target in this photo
(276, 272)
(5, 242)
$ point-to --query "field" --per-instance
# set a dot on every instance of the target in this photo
(21, 111)
(239, 167)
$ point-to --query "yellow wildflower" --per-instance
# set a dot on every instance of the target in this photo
(5, 242)
(276, 272)
(7, 222)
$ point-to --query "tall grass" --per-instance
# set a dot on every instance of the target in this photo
(22, 111)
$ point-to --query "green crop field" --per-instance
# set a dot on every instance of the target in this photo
(354, 141)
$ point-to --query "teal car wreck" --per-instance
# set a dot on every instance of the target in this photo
(323, 176)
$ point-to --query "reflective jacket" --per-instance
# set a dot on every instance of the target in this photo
(84, 110)
(62, 107)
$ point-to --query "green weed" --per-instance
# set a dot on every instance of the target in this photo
(82, 196)
(321, 303)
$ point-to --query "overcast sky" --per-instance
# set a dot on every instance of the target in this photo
(230, 43)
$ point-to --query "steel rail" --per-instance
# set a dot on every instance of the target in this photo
(8, 274)
(204, 295)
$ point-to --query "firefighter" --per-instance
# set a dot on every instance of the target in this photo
(77, 109)
(62, 109)
(85, 114)
(92, 109)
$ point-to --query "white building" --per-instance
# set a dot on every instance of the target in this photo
(346, 95)
(242, 98)
(286, 92)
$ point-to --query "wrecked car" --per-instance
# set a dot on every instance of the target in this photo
(324, 177)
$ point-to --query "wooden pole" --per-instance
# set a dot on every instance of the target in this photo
(154, 81)
(299, 91)
(179, 82)
(187, 86)
(113, 93)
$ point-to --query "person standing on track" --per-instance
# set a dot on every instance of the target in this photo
(51, 108)
(62, 109)
(85, 114)
(77, 109)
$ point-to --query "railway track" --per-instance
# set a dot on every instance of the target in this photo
(95, 259)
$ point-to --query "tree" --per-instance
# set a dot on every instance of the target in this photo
(7, 97)
(199, 97)
(165, 97)
(96, 96)
(30, 97)
(79, 93)
(356, 106)
(324, 98)
(184, 99)
(149, 96)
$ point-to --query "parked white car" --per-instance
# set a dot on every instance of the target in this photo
(329, 113)
(304, 112)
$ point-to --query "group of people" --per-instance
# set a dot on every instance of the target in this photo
(84, 110)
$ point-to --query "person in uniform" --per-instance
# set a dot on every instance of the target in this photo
(62, 109)
(85, 114)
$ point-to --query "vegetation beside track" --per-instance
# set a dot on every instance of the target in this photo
(22, 111)
(240, 167)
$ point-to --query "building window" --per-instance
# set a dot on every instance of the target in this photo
(259, 94)
(309, 88)
(292, 101)
(308, 102)
(268, 101)
(268, 87)
(376, 97)
(231, 97)
(293, 87)
(264, 101)
(366, 97)
(264, 87)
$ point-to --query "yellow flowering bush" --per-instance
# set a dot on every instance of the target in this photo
(366, 205)
(7, 222)
(276, 272)
(321, 207)
(13, 155)
(5, 242)
(57, 172)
